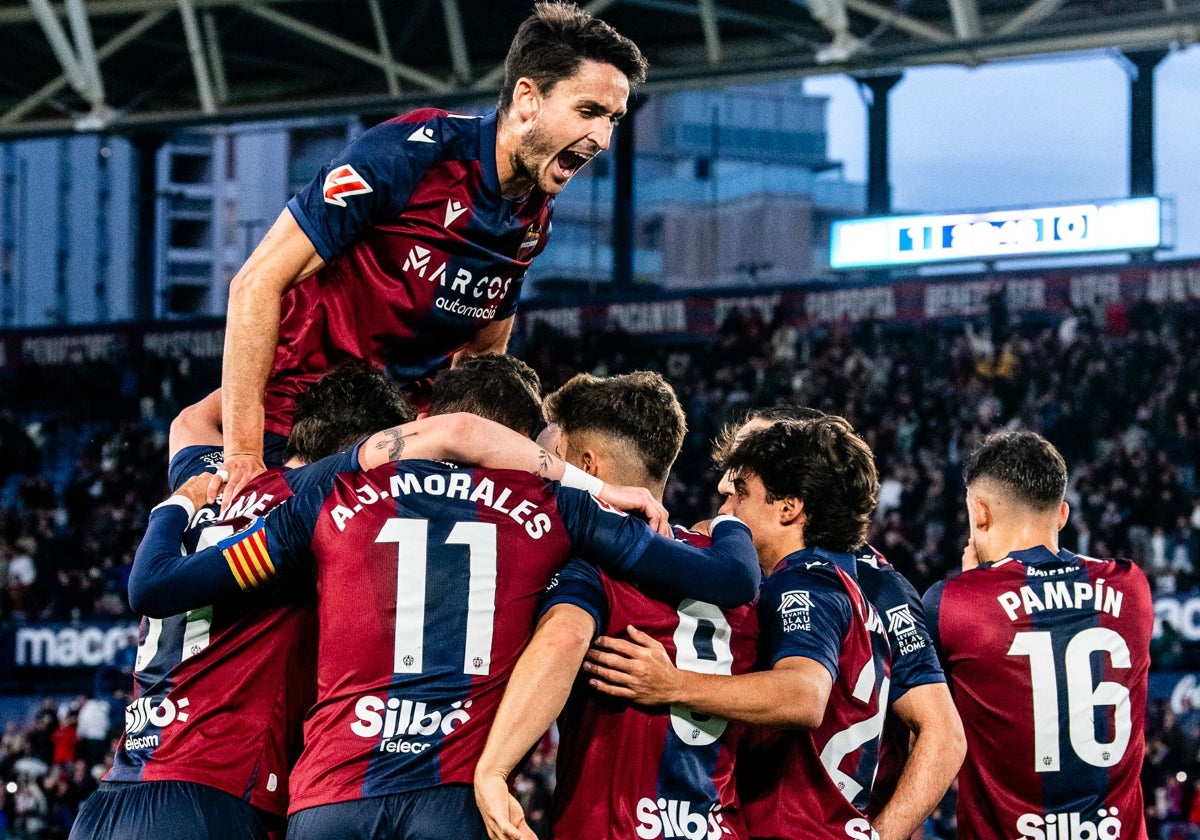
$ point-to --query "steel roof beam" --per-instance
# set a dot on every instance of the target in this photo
(903, 22)
(216, 60)
(385, 47)
(1031, 15)
(122, 8)
(60, 44)
(195, 48)
(457, 40)
(712, 35)
(85, 52)
(965, 14)
(342, 45)
(46, 91)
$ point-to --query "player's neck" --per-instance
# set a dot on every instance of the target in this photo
(1004, 542)
(513, 184)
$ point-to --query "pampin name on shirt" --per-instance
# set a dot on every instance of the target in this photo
(1061, 595)
(451, 486)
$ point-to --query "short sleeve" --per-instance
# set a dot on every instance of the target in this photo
(914, 658)
(191, 461)
(804, 613)
(366, 184)
(580, 584)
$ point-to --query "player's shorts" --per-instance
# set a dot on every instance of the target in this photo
(178, 810)
(447, 812)
(274, 449)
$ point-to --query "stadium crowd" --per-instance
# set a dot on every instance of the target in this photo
(1116, 390)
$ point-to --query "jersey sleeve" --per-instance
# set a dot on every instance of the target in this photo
(914, 657)
(191, 461)
(932, 602)
(578, 583)
(804, 614)
(725, 574)
(368, 183)
(165, 581)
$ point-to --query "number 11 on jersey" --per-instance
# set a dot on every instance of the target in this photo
(412, 559)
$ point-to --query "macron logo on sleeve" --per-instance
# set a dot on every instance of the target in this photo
(344, 181)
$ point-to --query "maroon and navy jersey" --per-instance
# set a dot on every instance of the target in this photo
(421, 251)
(428, 579)
(626, 771)
(220, 692)
(1048, 656)
(817, 783)
(914, 660)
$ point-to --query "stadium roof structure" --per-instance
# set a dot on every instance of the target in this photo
(127, 66)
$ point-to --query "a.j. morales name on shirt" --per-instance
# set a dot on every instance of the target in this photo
(451, 486)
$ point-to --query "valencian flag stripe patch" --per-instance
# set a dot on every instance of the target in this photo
(248, 557)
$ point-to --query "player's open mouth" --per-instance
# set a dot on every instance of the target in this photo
(570, 162)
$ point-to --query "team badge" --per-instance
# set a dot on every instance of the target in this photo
(532, 237)
(344, 181)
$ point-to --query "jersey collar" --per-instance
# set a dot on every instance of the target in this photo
(846, 562)
(1039, 555)
(487, 152)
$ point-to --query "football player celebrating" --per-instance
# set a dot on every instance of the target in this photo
(1048, 654)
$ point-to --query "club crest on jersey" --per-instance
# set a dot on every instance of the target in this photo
(532, 237)
(344, 181)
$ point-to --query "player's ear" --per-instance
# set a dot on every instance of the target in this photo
(1064, 513)
(980, 513)
(590, 461)
(526, 99)
(790, 510)
(421, 415)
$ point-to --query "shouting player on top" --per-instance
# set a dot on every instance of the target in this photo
(418, 235)
(1048, 655)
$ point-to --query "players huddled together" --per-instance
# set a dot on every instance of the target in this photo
(388, 565)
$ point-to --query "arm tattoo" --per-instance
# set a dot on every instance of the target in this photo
(393, 442)
(544, 462)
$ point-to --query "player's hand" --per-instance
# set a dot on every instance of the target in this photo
(638, 670)
(501, 812)
(639, 500)
(970, 559)
(233, 475)
(195, 490)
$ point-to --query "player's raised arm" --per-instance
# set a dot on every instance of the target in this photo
(490, 339)
(468, 439)
(725, 574)
(164, 581)
(285, 256)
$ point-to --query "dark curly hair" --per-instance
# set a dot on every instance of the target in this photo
(351, 401)
(824, 464)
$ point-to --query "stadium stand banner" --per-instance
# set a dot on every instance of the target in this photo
(1181, 611)
(82, 645)
(698, 313)
(913, 300)
(1181, 689)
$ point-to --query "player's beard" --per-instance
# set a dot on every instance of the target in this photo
(536, 154)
